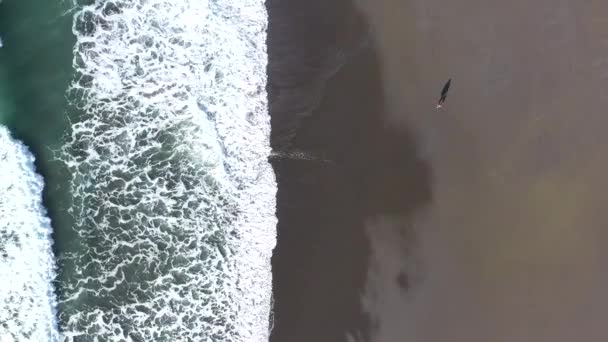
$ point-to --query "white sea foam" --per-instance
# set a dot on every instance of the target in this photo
(299, 155)
(27, 300)
(173, 197)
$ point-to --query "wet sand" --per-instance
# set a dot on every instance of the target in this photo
(326, 102)
(480, 222)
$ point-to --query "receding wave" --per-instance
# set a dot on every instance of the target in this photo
(27, 300)
(172, 195)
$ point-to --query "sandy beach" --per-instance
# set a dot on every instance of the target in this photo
(331, 115)
(479, 222)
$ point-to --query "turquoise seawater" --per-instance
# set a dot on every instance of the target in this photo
(35, 71)
(149, 126)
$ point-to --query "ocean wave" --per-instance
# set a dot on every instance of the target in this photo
(27, 269)
(172, 195)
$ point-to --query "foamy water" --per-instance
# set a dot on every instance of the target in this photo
(27, 301)
(173, 197)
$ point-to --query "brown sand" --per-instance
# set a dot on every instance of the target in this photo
(497, 234)
(511, 248)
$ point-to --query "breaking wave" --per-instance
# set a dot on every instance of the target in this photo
(172, 195)
(27, 269)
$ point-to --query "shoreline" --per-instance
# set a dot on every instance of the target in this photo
(321, 260)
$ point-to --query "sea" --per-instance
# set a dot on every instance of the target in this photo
(137, 202)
